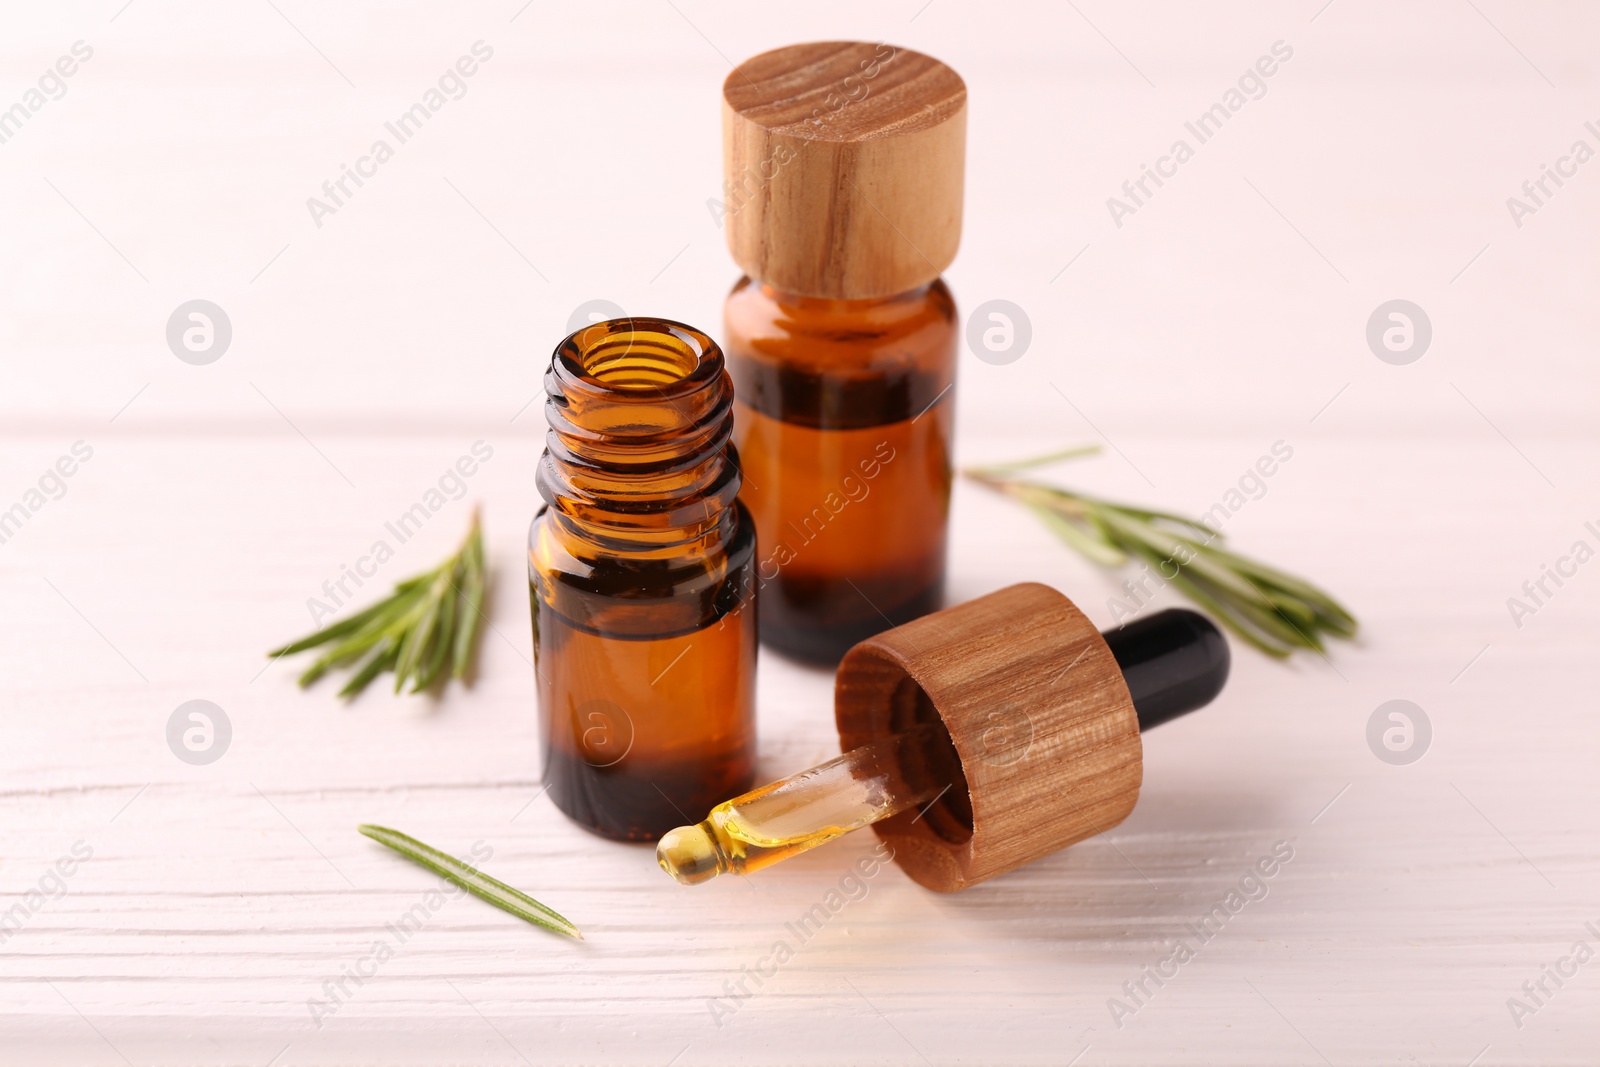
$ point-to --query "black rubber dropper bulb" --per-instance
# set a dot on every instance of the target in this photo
(1173, 661)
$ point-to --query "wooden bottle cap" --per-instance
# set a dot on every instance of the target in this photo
(1041, 719)
(844, 166)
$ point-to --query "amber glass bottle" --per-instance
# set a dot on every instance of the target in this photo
(844, 426)
(844, 179)
(641, 570)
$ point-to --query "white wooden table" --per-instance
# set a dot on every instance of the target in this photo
(220, 904)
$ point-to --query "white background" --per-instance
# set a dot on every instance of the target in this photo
(1227, 314)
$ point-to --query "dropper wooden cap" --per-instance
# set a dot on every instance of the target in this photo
(1042, 722)
(844, 165)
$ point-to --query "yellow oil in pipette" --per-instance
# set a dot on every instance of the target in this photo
(808, 809)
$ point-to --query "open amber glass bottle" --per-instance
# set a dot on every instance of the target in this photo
(641, 571)
(844, 166)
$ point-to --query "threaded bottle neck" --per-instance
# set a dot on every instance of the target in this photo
(638, 457)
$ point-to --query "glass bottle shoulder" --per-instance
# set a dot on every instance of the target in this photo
(916, 330)
(840, 364)
(641, 592)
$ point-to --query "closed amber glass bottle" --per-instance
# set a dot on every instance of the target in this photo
(845, 413)
(844, 170)
(641, 571)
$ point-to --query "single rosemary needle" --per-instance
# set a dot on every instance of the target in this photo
(1270, 609)
(426, 627)
(463, 874)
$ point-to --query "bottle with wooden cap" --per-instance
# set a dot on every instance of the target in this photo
(844, 166)
(976, 740)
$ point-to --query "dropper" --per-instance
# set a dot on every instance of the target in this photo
(1171, 663)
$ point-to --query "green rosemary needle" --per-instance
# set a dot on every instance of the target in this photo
(1276, 612)
(463, 874)
(428, 625)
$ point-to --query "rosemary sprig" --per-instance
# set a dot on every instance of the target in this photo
(428, 624)
(474, 881)
(1276, 612)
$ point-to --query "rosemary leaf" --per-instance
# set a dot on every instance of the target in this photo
(338, 629)
(397, 615)
(1269, 619)
(1270, 609)
(474, 881)
(441, 643)
(472, 610)
(382, 659)
(1091, 543)
(424, 631)
(416, 639)
(1325, 606)
(1279, 648)
(1037, 461)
